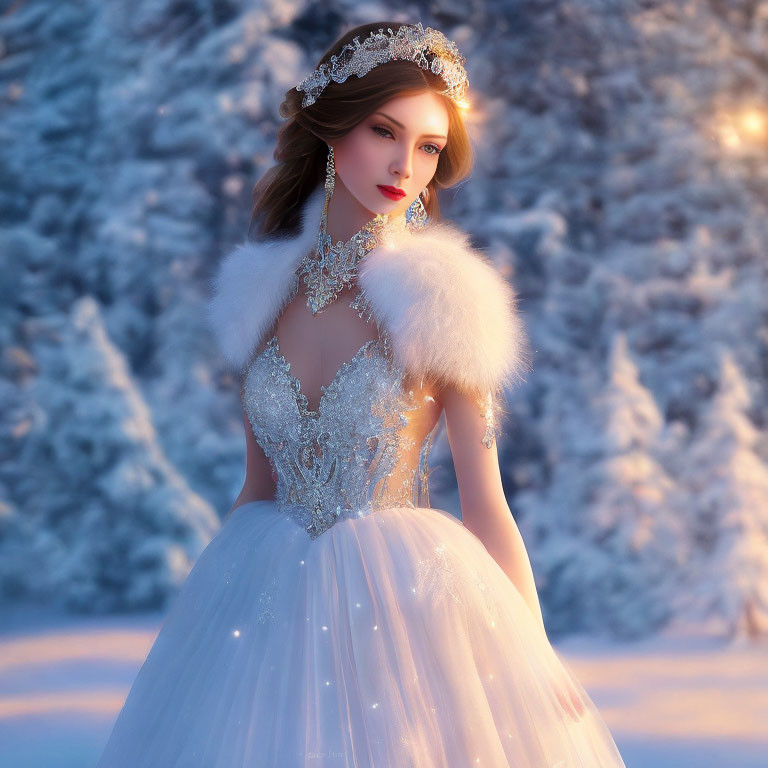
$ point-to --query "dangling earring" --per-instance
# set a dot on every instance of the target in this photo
(331, 268)
(330, 174)
(416, 214)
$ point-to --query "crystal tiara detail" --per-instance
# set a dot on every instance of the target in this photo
(411, 42)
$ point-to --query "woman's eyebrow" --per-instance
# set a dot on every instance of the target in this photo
(400, 125)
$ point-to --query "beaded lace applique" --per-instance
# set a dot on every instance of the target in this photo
(347, 457)
(436, 577)
(491, 408)
(441, 577)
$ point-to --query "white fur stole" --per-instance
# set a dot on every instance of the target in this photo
(450, 315)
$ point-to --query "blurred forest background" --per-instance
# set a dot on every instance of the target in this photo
(620, 184)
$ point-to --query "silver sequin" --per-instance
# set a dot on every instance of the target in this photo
(266, 602)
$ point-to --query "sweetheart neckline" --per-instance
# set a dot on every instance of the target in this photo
(302, 402)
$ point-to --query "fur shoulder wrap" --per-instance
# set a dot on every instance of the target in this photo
(449, 313)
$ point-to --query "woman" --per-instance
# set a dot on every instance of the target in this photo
(337, 619)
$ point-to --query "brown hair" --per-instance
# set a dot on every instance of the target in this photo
(302, 141)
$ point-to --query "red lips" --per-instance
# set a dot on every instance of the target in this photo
(393, 193)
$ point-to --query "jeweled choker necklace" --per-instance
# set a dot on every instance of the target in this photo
(331, 268)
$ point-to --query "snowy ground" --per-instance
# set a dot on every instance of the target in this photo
(671, 702)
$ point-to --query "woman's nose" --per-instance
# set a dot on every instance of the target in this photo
(402, 165)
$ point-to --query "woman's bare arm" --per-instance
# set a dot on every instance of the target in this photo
(259, 483)
(484, 508)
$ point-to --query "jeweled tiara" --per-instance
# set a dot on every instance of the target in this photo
(429, 48)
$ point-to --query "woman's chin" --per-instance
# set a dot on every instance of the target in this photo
(393, 211)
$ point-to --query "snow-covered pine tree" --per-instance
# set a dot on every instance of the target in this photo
(121, 527)
(606, 545)
(727, 485)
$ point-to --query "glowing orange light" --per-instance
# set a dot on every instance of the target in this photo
(753, 122)
(742, 128)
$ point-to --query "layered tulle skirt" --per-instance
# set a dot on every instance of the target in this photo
(391, 640)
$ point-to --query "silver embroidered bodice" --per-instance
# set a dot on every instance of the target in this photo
(352, 455)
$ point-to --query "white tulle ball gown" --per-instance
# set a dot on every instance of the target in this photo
(346, 622)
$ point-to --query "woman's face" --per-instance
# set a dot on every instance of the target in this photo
(396, 146)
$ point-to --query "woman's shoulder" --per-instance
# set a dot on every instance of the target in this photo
(451, 314)
(251, 282)
(248, 288)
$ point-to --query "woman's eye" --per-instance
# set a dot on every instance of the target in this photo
(379, 128)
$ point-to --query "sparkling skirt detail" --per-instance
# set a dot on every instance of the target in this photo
(392, 640)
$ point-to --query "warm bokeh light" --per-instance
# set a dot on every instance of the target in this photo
(742, 128)
(463, 105)
(753, 122)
